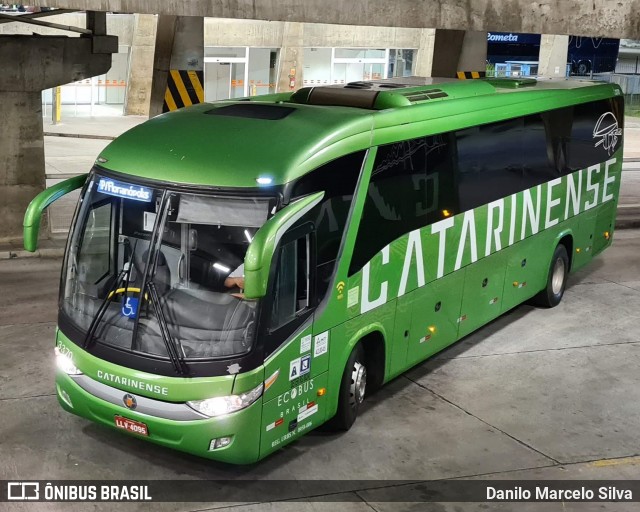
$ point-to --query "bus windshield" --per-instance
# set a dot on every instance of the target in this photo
(155, 271)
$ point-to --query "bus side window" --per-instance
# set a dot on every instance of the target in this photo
(337, 179)
(558, 127)
(596, 133)
(291, 290)
(412, 185)
(499, 159)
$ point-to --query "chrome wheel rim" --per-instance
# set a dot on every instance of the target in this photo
(557, 278)
(358, 382)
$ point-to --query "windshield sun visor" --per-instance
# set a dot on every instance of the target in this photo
(224, 211)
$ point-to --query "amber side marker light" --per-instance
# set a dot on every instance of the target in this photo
(322, 391)
(446, 213)
(607, 235)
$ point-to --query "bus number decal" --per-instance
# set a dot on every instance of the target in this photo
(305, 344)
(321, 344)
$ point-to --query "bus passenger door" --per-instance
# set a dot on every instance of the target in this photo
(435, 309)
(483, 293)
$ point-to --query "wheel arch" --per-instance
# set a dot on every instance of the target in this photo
(566, 238)
(374, 341)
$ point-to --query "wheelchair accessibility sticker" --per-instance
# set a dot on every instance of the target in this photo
(130, 307)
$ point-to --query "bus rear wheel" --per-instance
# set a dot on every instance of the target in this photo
(352, 391)
(556, 280)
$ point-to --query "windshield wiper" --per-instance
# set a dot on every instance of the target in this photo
(104, 305)
(174, 348)
(125, 273)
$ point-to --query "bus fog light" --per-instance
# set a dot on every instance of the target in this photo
(64, 363)
(221, 442)
(65, 397)
(221, 405)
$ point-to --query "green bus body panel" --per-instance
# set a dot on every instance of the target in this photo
(444, 116)
(500, 258)
(33, 215)
(257, 261)
(482, 295)
(170, 389)
(434, 320)
(187, 436)
(421, 293)
(193, 147)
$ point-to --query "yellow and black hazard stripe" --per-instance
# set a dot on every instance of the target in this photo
(469, 75)
(184, 88)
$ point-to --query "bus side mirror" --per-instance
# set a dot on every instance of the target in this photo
(257, 262)
(33, 215)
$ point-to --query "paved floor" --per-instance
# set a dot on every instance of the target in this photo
(537, 394)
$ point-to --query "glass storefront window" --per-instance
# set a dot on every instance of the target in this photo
(239, 72)
(218, 51)
(400, 63)
(359, 53)
(263, 68)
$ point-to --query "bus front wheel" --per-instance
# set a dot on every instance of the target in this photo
(352, 391)
(556, 280)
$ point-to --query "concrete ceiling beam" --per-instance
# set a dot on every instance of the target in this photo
(604, 18)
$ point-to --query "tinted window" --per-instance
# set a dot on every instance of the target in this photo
(499, 159)
(338, 180)
(412, 185)
(596, 133)
(415, 182)
(291, 287)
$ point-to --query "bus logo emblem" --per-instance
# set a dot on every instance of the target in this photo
(608, 131)
(130, 401)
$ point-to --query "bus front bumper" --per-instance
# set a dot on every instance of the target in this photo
(196, 437)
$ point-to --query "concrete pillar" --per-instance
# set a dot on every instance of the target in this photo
(553, 56)
(97, 22)
(447, 48)
(21, 158)
(443, 53)
(473, 56)
(291, 57)
(44, 62)
(140, 76)
(180, 47)
(424, 54)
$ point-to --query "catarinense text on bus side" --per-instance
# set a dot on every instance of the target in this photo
(431, 252)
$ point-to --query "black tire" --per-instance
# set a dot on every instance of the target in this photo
(584, 68)
(552, 293)
(350, 396)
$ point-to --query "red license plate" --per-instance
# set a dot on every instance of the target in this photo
(132, 426)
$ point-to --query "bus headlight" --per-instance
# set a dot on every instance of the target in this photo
(64, 363)
(221, 405)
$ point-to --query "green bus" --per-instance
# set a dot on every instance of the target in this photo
(241, 272)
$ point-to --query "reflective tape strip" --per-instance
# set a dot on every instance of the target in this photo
(197, 85)
(182, 91)
(470, 75)
(168, 101)
(184, 88)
